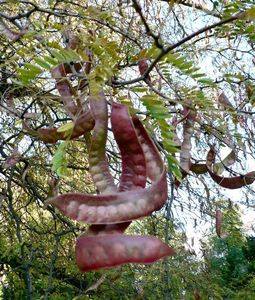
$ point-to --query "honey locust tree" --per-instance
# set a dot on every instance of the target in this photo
(113, 111)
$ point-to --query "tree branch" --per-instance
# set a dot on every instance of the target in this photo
(138, 9)
(166, 50)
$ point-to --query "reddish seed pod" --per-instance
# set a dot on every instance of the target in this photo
(98, 162)
(11, 35)
(133, 175)
(105, 251)
(218, 216)
(83, 124)
(235, 182)
(104, 245)
(66, 91)
(198, 168)
(115, 207)
(143, 67)
(224, 101)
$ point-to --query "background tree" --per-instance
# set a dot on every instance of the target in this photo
(229, 257)
(187, 70)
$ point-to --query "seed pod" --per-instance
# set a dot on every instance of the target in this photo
(11, 35)
(105, 251)
(188, 130)
(65, 90)
(218, 216)
(133, 171)
(83, 124)
(234, 182)
(104, 245)
(99, 167)
(143, 67)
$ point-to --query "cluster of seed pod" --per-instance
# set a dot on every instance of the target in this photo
(214, 169)
(111, 212)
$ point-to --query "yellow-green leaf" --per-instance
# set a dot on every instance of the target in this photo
(249, 14)
(66, 127)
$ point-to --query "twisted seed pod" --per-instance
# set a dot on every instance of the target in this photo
(133, 176)
(120, 251)
(234, 182)
(65, 90)
(125, 206)
(133, 159)
(83, 124)
(103, 245)
(219, 167)
(99, 167)
(143, 67)
(120, 112)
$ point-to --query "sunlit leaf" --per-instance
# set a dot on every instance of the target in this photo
(68, 127)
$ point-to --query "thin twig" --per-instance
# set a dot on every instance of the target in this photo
(166, 50)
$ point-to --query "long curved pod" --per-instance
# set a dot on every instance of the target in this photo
(234, 182)
(113, 208)
(83, 124)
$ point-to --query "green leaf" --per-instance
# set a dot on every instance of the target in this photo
(139, 89)
(25, 75)
(33, 68)
(248, 14)
(167, 134)
(62, 171)
(198, 75)
(42, 63)
(73, 55)
(60, 58)
(206, 81)
(170, 149)
(174, 169)
(66, 127)
(69, 55)
(186, 65)
(51, 60)
(171, 159)
(59, 163)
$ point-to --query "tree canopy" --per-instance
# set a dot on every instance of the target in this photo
(123, 124)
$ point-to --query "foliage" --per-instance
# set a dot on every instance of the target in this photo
(229, 258)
